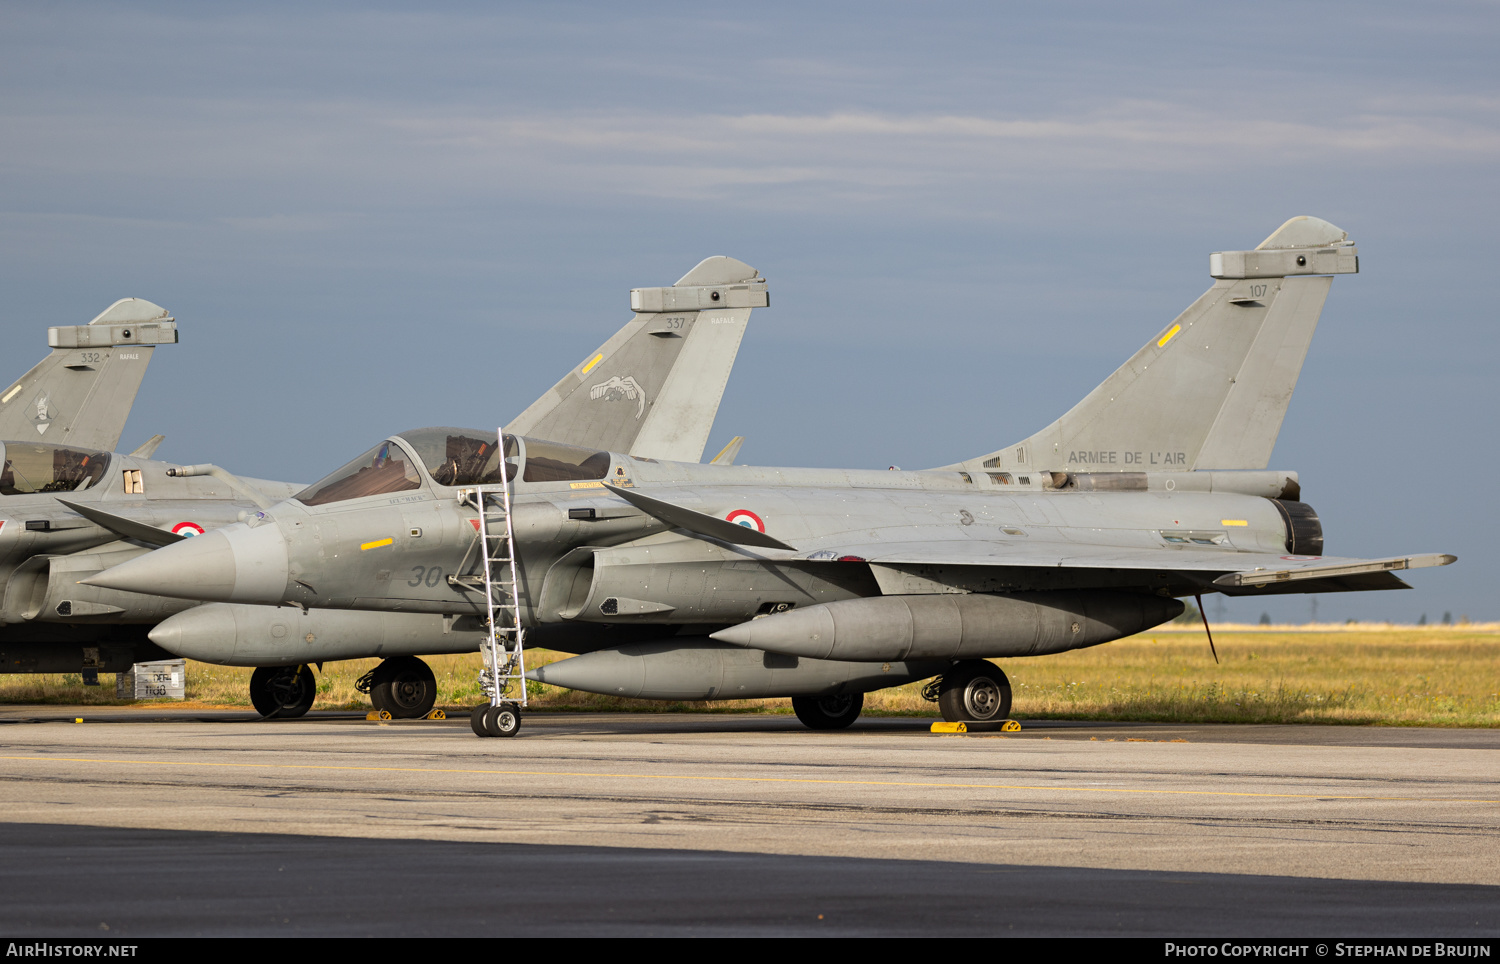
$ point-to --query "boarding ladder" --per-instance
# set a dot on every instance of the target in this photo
(505, 649)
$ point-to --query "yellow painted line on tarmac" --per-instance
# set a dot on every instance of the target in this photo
(715, 779)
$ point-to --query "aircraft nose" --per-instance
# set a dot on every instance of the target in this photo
(233, 564)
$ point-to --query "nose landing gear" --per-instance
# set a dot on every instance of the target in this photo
(501, 720)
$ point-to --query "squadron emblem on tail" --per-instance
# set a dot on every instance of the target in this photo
(618, 389)
(44, 416)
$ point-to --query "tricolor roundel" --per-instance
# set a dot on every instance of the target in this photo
(188, 529)
(746, 518)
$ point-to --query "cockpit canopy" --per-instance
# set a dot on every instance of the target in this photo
(385, 468)
(32, 467)
(459, 456)
(454, 457)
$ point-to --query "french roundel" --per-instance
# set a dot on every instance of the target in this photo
(188, 529)
(746, 518)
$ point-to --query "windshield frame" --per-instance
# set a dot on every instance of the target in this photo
(466, 477)
(351, 469)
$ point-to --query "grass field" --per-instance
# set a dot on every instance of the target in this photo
(1389, 675)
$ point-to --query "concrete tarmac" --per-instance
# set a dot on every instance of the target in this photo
(157, 821)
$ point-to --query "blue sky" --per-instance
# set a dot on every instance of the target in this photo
(368, 218)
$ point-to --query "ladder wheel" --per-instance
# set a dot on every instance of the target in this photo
(502, 720)
(476, 720)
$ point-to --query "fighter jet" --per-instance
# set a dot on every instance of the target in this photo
(82, 392)
(62, 418)
(69, 512)
(676, 580)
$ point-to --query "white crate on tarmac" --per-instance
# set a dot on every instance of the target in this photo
(162, 680)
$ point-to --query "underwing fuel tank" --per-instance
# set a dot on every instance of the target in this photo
(282, 636)
(954, 625)
(697, 668)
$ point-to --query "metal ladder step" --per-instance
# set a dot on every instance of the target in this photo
(505, 649)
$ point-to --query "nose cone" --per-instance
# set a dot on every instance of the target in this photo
(233, 564)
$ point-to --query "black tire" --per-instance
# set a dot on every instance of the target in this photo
(283, 692)
(828, 712)
(404, 687)
(975, 691)
(377, 695)
(502, 720)
(476, 720)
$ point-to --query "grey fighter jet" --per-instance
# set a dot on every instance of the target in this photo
(676, 580)
(62, 418)
(67, 512)
(82, 392)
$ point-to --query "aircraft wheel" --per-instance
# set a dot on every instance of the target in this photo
(377, 697)
(502, 720)
(476, 720)
(404, 687)
(283, 692)
(974, 691)
(828, 712)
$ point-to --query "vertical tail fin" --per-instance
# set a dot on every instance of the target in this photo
(1211, 389)
(654, 388)
(81, 393)
(729, 452)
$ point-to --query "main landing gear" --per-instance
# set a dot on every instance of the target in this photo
(974, 691)
(402, 686)
(828, 712)
(283, 692)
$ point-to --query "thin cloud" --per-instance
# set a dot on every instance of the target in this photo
(285, 223)
(686, 156)
(328, 154)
